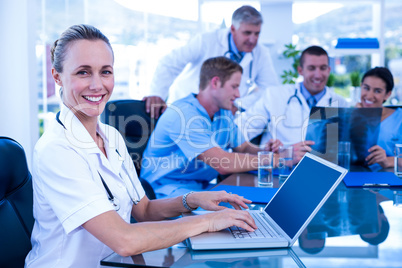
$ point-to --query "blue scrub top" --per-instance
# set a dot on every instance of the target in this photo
(184, 131)
(390, 134)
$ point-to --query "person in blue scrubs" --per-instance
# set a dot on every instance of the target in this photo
(376, 88)
(196, 137)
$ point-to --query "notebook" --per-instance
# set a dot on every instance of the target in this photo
(372, 179)
(328, 125)
(287, 214)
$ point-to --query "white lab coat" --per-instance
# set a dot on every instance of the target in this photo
(184, 63)
(68, 192)
(285, 117)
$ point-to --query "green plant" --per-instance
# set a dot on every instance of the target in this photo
(355, 78)
(341, 80)
(290, 76)
(331, 80)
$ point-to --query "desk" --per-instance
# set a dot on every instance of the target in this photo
(178, 256)
(338, 236)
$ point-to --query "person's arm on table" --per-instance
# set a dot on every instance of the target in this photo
(247, 147)
(273, 145)
(130, 239)
(227, 163)
(300, 149)
(378, 155)
(160, 209)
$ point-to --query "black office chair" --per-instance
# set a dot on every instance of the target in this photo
(130, 118)
(16, 204)
(393, 106)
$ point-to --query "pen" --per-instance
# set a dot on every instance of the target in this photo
(376, 184)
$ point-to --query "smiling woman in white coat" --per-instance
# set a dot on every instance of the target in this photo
(84, 181)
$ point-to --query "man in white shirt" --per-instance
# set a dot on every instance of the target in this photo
(285, 109)
(177, 74)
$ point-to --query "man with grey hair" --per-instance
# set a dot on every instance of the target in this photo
(177, 74)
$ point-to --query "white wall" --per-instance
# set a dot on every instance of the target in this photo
(277, 31)
(18, 83)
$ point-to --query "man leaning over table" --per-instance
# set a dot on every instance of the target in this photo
(284, 110)
(194, 137)
(177, 72)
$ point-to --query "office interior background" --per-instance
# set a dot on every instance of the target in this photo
(141, 32)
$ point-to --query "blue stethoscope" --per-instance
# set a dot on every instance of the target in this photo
(296, 97)
(287, 116)
(115, 202)
(238, 57)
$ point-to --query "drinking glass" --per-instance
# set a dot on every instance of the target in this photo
(398, 160)
(265, 166)
(285, 161)
(344, 154)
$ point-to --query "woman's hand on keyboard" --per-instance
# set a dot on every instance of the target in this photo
(209, 200)
(226, 218)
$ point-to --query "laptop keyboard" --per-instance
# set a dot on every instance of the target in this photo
(263, 231)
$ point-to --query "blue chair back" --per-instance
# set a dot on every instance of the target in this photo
(16, 204)
(130, 118)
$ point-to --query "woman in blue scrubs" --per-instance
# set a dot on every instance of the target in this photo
(376, 88)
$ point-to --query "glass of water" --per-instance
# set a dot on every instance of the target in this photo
(344, 154)
(265, 166)
(397, 198)
(398, 160)
(285, 161)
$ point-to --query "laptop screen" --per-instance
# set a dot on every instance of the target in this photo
(301, 194)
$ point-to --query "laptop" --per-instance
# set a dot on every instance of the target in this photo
(328, 125)
(286, 215)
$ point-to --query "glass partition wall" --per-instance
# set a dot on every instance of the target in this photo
(141, 32)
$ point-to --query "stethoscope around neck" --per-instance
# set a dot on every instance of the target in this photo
(237, 57)
(115, 202)
(299, 100)
(288, 122)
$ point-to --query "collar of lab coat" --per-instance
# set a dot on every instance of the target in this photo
(79, 137)
(306, 94)
(323, 101)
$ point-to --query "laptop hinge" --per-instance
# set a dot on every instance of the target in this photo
(272, 223)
